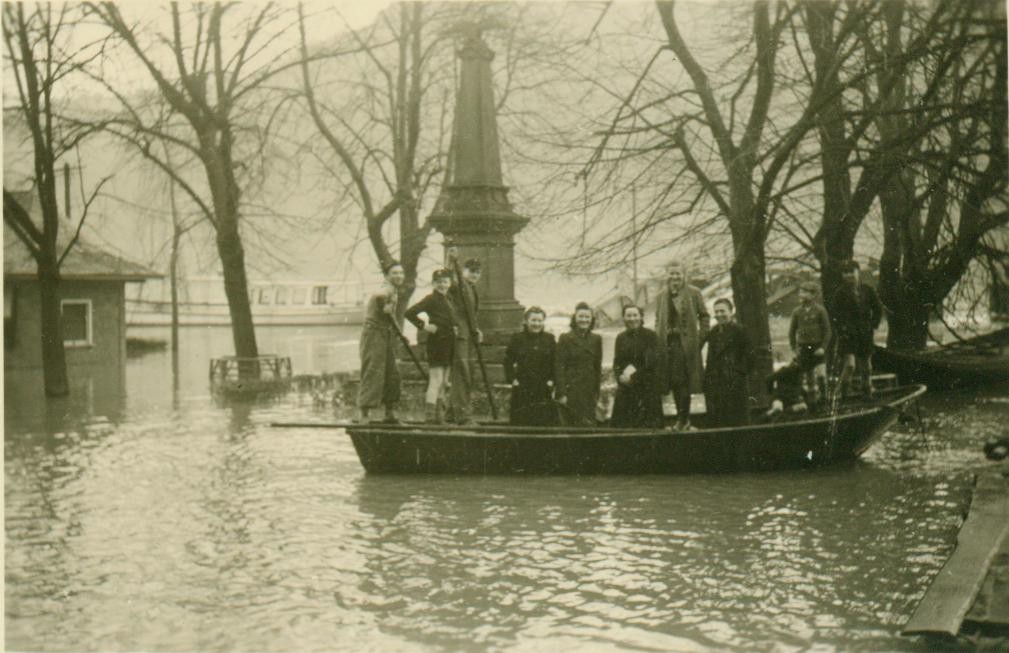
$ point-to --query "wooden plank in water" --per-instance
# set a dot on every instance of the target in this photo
(992, 605)
(954, 589)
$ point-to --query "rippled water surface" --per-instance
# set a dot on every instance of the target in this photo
(159, 521)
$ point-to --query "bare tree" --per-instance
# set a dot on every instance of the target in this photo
(724, 157)
(41, 57)
(915, 130)
(215, 105)
(950, 191)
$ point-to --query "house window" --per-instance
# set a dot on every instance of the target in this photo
(264, 295)
(281, 294)
(76, 322)
(319, 294)
(299, 295)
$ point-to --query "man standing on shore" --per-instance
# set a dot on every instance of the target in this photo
(466, 302)
(681, 322)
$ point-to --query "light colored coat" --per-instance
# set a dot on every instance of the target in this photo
(380, 380)
(693, 321)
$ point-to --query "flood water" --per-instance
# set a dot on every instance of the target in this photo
(142, 518)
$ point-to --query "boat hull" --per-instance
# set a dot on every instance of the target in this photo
(941, 371)
(510, 450)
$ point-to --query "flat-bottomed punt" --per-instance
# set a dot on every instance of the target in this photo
(978, 361)
(504, 449)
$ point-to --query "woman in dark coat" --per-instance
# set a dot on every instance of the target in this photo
(529, 369)
(440, 329)
(725, 389)
(579, 369)
(638, 403)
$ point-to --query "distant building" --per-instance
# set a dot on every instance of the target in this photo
(92, 289)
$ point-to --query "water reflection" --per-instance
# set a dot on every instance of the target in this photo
(96, 393)
(703, 561)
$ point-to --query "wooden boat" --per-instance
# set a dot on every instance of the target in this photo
(978, 361)
(503, 449)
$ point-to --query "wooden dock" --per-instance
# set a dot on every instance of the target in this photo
(972, 588)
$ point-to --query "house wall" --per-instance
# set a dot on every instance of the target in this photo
(108, 326)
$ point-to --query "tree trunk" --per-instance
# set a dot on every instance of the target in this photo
(173, 280)
(907, 325)
(236, 288)
(749, 293)
(225, 193)
(54, 363)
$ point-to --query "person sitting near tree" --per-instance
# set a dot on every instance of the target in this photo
(440, 330)
(529, 370)
(787, 388)
(808, 334)
(636, 364)
(579, 368)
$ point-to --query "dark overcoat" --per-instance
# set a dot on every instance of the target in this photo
(638, 403)
(856, 315)
(439, 345)
(729, 362)
(579, 372)
(529, 359)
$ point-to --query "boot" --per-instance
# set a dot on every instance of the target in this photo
(432, 414)
(462, 417)
(390, 415)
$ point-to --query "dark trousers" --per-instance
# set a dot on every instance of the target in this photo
(679, 380)
(459, 400)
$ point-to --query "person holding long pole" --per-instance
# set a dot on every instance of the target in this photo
(466, 302)
(470, 320)
(380, 380)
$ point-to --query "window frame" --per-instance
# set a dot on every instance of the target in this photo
(89, 315)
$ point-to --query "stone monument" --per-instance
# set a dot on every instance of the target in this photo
(473, 212)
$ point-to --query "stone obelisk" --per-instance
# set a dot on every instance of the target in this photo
(472, 212)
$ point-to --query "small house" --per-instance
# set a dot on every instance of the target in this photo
(92, 302)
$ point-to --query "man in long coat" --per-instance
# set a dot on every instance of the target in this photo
(681, 322)
(380, 382)
(466, 302)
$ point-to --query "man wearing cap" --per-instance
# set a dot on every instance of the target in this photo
(808, 334)
(466, 302)
(857, 312)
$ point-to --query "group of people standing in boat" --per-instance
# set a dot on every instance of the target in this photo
(451, 334)
(557, 381)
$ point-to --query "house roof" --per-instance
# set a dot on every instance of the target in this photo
(84, 262)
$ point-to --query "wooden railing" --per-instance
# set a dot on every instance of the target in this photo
(237, 375)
